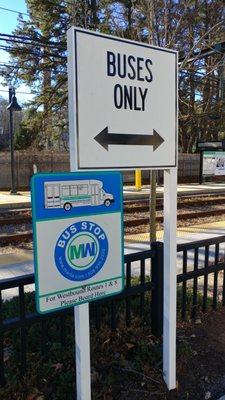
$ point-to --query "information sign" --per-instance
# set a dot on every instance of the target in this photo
(122, 102)
(213, 163)
(220, 163)
(78, 238)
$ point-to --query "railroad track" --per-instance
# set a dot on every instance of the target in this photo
(16, 220)
(20, 237)
(13, 238)
(129, 207)
(180, 217)
(24, 217)
(182, 203)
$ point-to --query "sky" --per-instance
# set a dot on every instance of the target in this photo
(8, 22)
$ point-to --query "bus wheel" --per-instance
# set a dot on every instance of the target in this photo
(107, 202)
(67, 206)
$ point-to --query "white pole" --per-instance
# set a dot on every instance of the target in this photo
(82, 348)
(170, 277)
(81, 312)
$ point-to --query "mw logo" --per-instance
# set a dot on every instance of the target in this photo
(82, 250)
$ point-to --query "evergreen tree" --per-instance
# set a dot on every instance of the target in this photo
(29, 131)
(41, 56)
(185, 26)
(4, 124)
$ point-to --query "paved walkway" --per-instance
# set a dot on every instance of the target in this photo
(13, 265)
(130, 192)
(140, 242)
(186, 234)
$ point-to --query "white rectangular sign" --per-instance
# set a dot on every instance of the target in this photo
(213, 163)
(220, 163)
(122, 102)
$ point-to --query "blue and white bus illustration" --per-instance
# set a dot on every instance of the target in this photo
(78, 193)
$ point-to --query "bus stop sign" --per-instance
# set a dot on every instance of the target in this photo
(78, 239)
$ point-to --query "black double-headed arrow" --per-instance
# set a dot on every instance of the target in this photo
(104, 138)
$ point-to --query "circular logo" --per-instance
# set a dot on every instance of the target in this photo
(81, 251)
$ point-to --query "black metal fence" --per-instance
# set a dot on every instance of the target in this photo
(201, 283)
(119, 307)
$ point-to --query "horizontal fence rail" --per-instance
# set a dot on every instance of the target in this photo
(200, 285)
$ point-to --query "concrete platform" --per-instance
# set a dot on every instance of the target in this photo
(16, 258)
(20, 200)
(23, 199)
(186, 234)
(13, 265)
(130, 192)
(140, 242)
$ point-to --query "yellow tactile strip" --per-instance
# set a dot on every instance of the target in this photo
(144, 237)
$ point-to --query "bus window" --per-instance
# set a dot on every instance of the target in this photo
(82, 189)
(49, 191)
(56, 191)
(65, 191)
(73, 190)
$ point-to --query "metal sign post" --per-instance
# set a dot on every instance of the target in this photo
(123, 115)
(170, 277)
(82, 337)
(82, 341)
(82, 352)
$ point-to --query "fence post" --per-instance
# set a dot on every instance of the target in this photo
(2, 374)
(157, 290)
